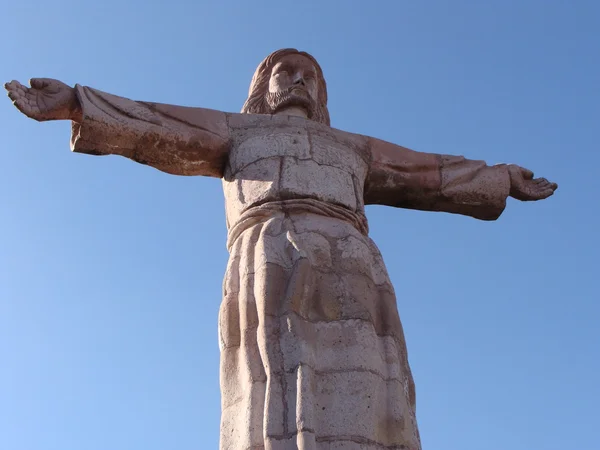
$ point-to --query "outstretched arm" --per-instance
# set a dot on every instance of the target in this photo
(407, 179)
(174, 139)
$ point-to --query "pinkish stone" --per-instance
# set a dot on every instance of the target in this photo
(313, 354)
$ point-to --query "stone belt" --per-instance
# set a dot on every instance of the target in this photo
(265, 211)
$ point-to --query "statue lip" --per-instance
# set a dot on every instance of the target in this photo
(300, 91)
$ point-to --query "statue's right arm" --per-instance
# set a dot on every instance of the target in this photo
(174, 139)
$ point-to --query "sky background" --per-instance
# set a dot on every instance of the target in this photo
(110, 271)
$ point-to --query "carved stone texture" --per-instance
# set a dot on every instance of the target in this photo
(313, 354)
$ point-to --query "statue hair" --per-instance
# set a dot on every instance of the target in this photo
(257, 103)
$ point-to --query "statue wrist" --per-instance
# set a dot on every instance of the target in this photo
(75, 110)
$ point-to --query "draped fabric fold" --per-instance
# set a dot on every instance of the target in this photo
(321, 348)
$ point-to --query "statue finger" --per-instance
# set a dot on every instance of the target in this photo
(541, 188)
(13, 89)
(14, 95)
(542, 185)
(546, 193)
(12, 85)
(23, 107)
(20, 90)
(38, 83)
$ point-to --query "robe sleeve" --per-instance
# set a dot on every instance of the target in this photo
(430, 182)
(175, 139)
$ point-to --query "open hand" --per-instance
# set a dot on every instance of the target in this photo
(46, 99)
(526, 188)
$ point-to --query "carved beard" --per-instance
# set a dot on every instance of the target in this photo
(279, 100)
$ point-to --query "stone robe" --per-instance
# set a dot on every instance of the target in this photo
(313, 354)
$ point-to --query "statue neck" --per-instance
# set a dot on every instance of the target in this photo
(293, 111)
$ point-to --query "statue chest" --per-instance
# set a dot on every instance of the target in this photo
(287, 162)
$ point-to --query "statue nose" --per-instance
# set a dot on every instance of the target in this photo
(299, 80)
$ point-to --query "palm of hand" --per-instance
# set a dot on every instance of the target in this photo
(526, 188)
(46, 99)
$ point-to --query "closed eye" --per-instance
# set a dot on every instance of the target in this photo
(283, 69)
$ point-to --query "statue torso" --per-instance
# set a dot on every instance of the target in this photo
(281, 157)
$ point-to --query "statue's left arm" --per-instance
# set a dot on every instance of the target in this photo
(431, 182)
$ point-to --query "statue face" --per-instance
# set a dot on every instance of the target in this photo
(293, 82)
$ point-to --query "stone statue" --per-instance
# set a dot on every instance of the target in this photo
(313, 354)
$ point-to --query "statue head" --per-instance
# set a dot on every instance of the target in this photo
(288, 78)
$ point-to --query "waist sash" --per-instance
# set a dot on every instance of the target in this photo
(261, 213)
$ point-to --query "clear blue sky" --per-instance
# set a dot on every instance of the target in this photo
(110, 272)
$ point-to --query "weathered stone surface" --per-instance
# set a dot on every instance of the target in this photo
(313, 355)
